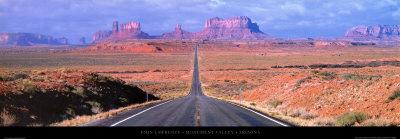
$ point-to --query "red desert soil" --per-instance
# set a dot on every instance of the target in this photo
(301, 96)
(322, 93)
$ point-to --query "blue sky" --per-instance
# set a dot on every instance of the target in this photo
(280, 18)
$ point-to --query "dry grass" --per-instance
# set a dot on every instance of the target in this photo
(165, 75)
(302, 113)
(95, 62)
(81, 120)
(377, 122)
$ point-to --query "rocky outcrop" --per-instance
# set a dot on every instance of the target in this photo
(26, 39)
(130, 30)
(101, 35)
(178, 34)
(330, 44)
(82, 40)
(239, 27)
(235, 28)
(377, 32)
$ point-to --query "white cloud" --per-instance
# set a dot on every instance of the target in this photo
(303, 23)
(256, 9)
(293, 8)
(344, 12)
(216, 3)
(357, 5)
(385, 3)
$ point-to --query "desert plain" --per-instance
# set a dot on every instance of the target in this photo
(294, 82)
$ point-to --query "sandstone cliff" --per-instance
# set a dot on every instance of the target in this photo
(235, 28)
(239, 27)
(178, 34)
(26, 39)
(130, 30)
(377, 32)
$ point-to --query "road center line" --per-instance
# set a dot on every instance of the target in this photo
(139, 113)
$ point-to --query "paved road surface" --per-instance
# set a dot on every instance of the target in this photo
(196, 109)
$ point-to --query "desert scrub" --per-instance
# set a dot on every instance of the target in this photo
(28, 87)
(314, 71)
(275, 103)
(324, 122)
(66, 99)
(95, 107)
(327, 75)
(395, 95)
(350, 118)
(79, 91)
(13, 77)
(94, 78)
(377, 122)
(349, 76)
(299, 82)
(302, 113)
(6, 118)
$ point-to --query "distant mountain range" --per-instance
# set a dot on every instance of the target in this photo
(26, 39)
(374, 33)
(239, 27)
(235, 28)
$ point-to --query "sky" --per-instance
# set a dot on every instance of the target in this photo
(279, 18)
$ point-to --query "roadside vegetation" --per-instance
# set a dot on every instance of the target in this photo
(351, 118)
(395, 95)
(62, 95)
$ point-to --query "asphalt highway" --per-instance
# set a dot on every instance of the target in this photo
(195, 109)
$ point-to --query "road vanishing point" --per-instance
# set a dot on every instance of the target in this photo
(195, 109)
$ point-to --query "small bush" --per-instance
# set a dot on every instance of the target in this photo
(253, 104)
(324, 122)
(303, 114)
(274, 103)
(96, 78)
(157, 70)
(327, 75)
(395, 95)
(79, 91)
(13, 77)
(350, 76)
(299, 82)
(314, 71)
(39, 79)
(28, 87)
(19, 76)
(349, 119)
(95, 106)
(243, 82)
(6, 118)
(3, 78)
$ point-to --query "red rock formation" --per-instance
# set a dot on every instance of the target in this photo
(26, 39)
(239, 27)
(130, 30)
(377, 32)
(178, 34)
(101, 35)
(330, 44)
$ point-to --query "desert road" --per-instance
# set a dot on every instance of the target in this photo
(195, 109)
